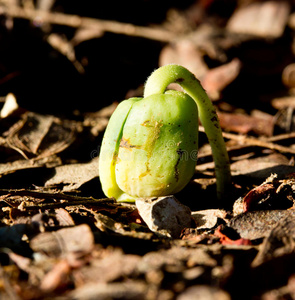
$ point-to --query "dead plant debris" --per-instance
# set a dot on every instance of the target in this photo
(64, 68)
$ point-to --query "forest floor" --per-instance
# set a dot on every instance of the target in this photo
(64, 67)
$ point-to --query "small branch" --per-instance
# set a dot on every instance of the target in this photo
(251, 141)
(60, 196)
(265, 143)
(66, 204)
(77, 21)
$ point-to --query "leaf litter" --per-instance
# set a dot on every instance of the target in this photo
(61, 238)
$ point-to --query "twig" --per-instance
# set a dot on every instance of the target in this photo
(265, 143)
(60, 196)
(65, 204)
(280, 137)
(251, 141)
(77, 21)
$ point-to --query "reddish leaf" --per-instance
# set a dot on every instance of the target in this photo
(256, 194)
(225, 240)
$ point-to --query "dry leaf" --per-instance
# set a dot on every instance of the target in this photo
(262, 167)
(39, 136)
(77, 239)
(216, 79)
(72, 176)
(266, 19)
(244, 124)
(279, 242)
(258, 224)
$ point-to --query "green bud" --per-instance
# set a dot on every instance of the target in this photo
(150, 145)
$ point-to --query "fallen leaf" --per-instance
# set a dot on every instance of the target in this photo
(258, 224)
(217, 79)
(186, 53)
(66, 240)
(116, 290)
(225, 240)
(208, 218)
(266, 19)
(279, 242)
(244, 124)
(57, 277)
(260, 193)
(17, 165)
(112, 266)
(72, 176)
(37, 135)
(259, 168)
(272, 194)
(204, 292)
(64, 217)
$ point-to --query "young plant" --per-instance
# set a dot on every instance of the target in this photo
(150, 144)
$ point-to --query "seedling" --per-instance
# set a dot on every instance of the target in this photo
(150, 144)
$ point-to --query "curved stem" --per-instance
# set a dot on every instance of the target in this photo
(157, 84)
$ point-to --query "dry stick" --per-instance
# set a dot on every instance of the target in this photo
(77, 21)
(280, 137)
(60, 196)
(266, 143)
(66, 204)
(260, 143)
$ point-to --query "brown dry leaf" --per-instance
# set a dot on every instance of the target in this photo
(209, 218)
(260, 193)
(24, 164)
(109, 225)
(262, 167)
(72, 176)
(258, 224)
(111, 266)
(176, 256)
(244, 124)
(279, 242)
(116, 290)
(271, 194)
(265, 19)
(224, 239)
(58, 276)
(24, 263)
(40, 136)
(34, 129)
(78, 239)
(184, 52)
(204, 292)
(194, 237)
(216, 79)
(63, 217)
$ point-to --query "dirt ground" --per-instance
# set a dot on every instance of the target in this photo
(64, 67)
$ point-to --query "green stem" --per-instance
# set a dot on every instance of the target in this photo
(157, 84)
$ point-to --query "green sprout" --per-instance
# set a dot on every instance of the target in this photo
(150, 145)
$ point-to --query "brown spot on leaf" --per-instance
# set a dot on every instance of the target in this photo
(125, 143)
